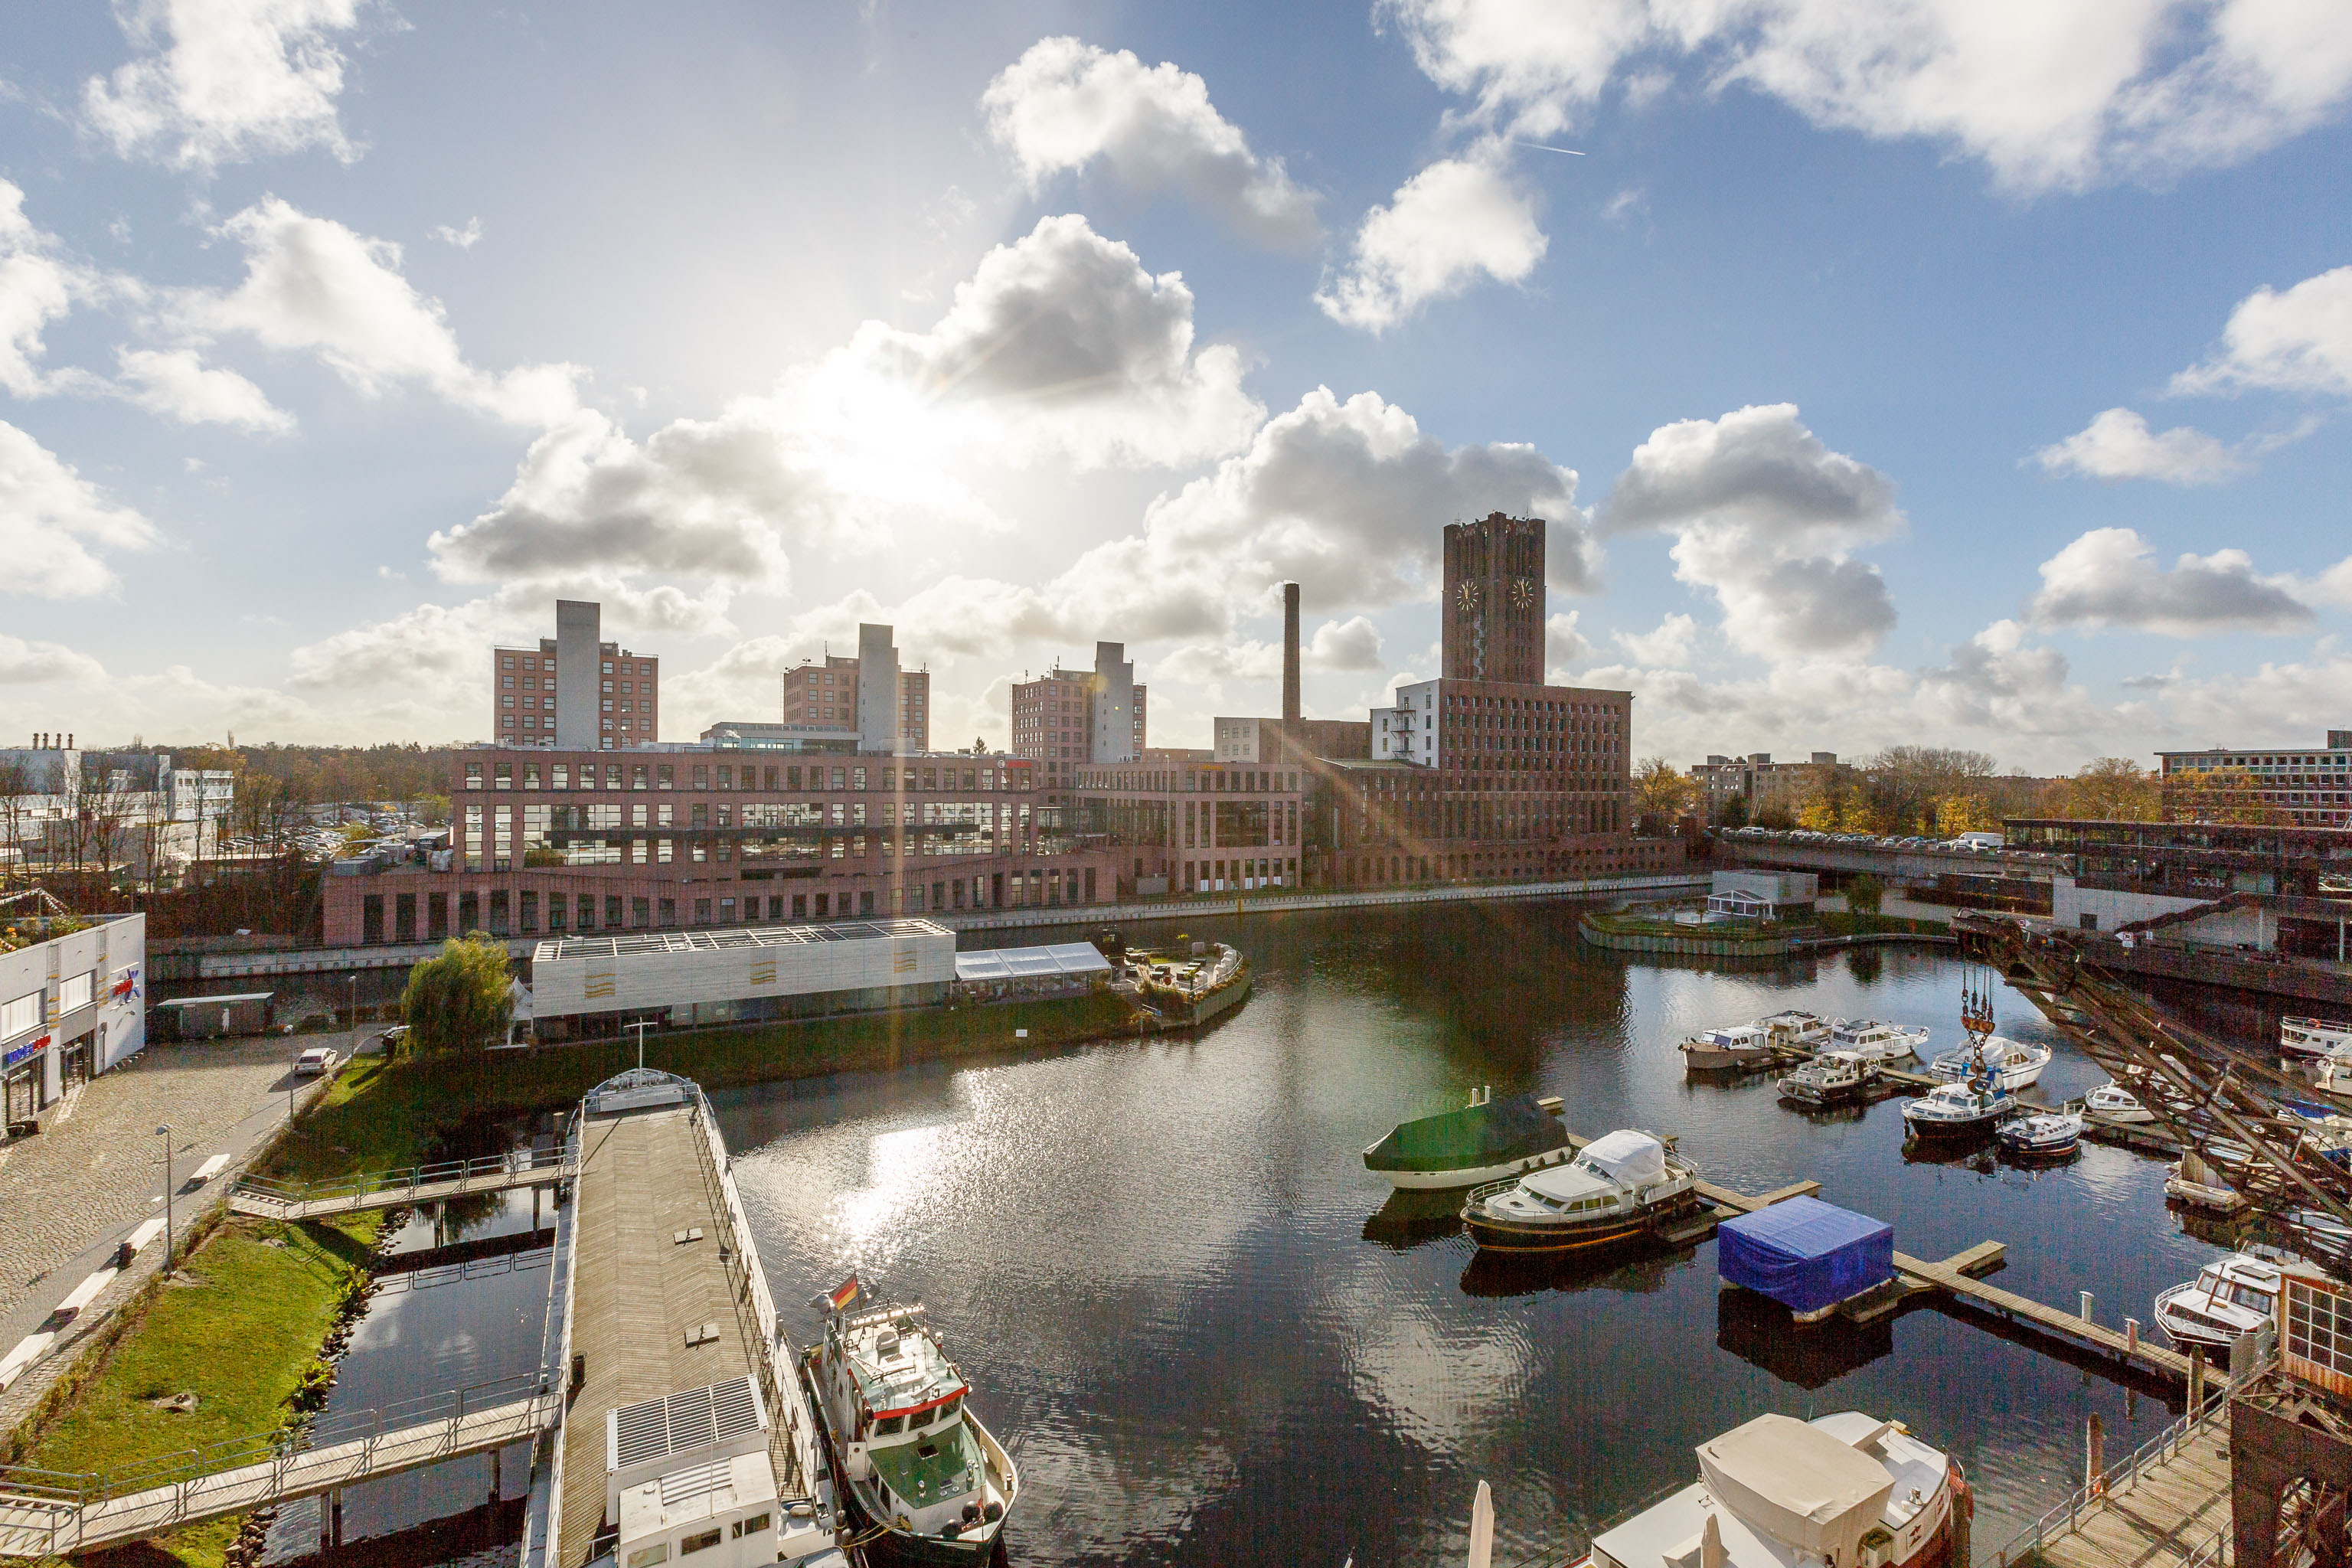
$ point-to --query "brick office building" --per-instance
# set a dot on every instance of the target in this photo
(723, 833)
(825, 696)
(1185, 822)
(1066, 718)
(574, 689)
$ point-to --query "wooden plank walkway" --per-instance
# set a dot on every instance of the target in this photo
(2167, 1510)
(266, 1204)
(2047, 1319)
(41, 1527)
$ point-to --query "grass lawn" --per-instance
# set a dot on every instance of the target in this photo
(1853, 922)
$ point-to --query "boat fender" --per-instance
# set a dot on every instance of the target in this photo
(993, 1512)
(903, 1523)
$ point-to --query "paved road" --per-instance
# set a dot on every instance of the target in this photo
(73, 1192)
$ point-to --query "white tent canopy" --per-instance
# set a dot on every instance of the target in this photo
(1068, 960)
(1629, 1156)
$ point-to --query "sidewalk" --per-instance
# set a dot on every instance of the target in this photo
(76, 1191)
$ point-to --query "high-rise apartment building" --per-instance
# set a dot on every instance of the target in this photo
(1494, 600)
(574, 689)
(1065, 717)
(831, 697)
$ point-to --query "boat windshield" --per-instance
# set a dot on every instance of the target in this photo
(2248, 1297)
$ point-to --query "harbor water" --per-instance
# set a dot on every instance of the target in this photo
(1208, 1334)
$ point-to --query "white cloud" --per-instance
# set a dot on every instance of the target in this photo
(1669, 645)
(2299, 341)
(1352, 644)
(1764, 517)
(178, 383)
(52, 521)
(1065, 104)
(312, 286)
(1564, 644)
(26, 663)
(1061, 343)
(219, 80)
(1458, 220)
(37, 284)
(463, 239)
(2109, 577)
(2053, 95)
(2119, 445)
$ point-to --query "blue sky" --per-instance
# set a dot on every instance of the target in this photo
(1955, 375)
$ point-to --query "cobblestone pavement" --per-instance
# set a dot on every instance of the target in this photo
(73, 1190)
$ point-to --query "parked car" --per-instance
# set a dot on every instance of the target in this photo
(315, 1061)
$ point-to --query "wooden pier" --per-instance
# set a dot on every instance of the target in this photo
(2167, 1503)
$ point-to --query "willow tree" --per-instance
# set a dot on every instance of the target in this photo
(458, 1001)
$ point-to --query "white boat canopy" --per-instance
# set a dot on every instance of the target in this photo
(1797, 1484)
(1068, 958)
(1628, 1156)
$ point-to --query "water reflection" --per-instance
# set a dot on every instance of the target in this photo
(1211, 1335)
(1764, 1334)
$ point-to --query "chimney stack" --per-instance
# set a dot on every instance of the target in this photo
(1290, 656)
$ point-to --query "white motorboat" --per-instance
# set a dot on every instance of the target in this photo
(1621, 1187)
(2112, 1102)
(2230, 1297)
(2308, 1039)
(2040, 1135)
(1831, 1079)
(1877, 1041)
(926, 1477)
(2196, 1181)
(1794, 1027)
(1739, 1046)
(2014, 1064)
(1954, 1110)
(1847, 1489)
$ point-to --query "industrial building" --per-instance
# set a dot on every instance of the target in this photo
(592, 985)
(574, 689)
(71, 1006)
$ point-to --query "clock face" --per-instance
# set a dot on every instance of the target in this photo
(1523, 592)
(1467, 596)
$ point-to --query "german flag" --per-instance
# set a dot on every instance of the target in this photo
(843, 1293)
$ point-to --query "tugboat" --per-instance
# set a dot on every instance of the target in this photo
(1721, 1050)
(1833, 1079)
(1957, 1110)
(1622, 1187)
(926, 1483)
(1882, 1043)
(1847, 1489)
(1484, 1141)
(2229, 1298)
(2015, 1063)
(2042, 1135)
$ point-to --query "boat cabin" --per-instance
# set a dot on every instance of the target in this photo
(688, 1479)
(907, 1433)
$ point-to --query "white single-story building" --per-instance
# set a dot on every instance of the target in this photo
(1782, 889)
(738, 975)
(71, 1006)
(998, 972)
(1739, 904)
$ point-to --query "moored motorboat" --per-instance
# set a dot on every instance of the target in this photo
(2308, 1039)
(1831, 1079)
(2014, 1064)
(1847, 1489)
(1737, 1046)
(1957, 1110)
(928, 1482)
(1619, 1188)
(2230, 1298)
(1880, 1042)
(1484, 1141)
(1795, 1027)
(2040, 1135)
(2112, 1102)
(2197, 1182)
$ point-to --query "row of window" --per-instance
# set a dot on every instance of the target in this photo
(547, 662)
(24, 1014)
(892, 779)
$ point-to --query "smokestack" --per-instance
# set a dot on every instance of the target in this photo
(1289, 654)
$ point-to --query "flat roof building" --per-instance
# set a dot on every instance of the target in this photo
(2311, 786)
(574, 689)
(829, 697)
(743, 975)
(71, 1006)
(1067, 717)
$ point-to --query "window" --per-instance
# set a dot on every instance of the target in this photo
(23, 1014)
(751, 1526)
(699, 1541)
(508, 664)
(646, 1556)
(74, 991)
(889, 1425)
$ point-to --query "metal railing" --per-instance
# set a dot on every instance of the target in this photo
(64, 1498)
(2123, 1476)
(488, 1170)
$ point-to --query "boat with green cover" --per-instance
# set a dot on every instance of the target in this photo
(1484, 1142)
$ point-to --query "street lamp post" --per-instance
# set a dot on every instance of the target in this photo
(164, 1133)
(640, 1026)
(352, 990)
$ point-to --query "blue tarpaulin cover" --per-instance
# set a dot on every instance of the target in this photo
(1806, 1254)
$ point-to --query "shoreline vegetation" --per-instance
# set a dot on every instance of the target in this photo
(283, 1294)
(1637, 932)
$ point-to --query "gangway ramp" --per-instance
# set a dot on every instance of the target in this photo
(266, 1199)
(46, 1514)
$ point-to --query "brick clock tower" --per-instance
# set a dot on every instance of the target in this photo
(1494, 600)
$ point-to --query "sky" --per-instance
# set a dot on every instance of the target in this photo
(1951, 372)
